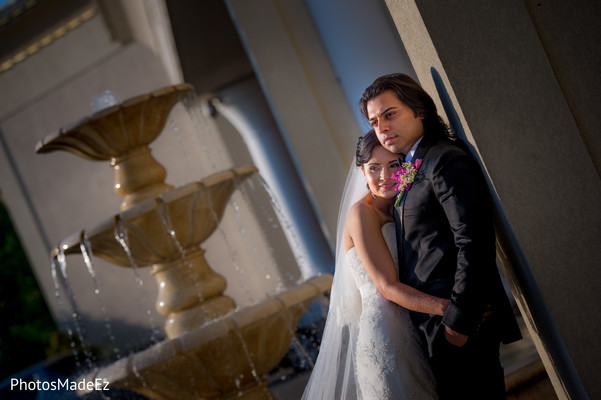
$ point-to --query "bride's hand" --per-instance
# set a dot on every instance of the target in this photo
(443, 304)
(455, 338)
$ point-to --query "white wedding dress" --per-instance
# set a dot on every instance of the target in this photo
(390, 362)
(370, 349)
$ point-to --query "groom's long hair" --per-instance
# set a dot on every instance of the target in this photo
(410, 93)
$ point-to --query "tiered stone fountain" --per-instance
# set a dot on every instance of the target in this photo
(212, 350)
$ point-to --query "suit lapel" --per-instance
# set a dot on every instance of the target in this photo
(399, 240)
(422, 149)
(420, 152)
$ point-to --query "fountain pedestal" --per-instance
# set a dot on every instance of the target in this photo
(135, 187)
(190, 293)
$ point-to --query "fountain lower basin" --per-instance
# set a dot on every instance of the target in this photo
(224, 358)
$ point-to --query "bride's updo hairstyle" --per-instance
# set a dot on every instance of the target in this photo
(365, 146)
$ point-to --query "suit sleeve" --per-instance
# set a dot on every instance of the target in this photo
(461, 190)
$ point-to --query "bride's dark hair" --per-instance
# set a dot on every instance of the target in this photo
(365, 146)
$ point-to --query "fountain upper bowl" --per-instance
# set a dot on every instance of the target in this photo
(116, 130)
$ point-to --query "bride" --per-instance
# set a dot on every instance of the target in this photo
(370, 349)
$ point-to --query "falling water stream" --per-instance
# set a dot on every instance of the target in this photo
(293, 239)
(313, 335)
(62, 306)
(231, 250)
(86, 252)
(76, 317)
(197, 111)
(163, 212)
(303, 359)
(254, 184)
(122, 238)
(256, 377)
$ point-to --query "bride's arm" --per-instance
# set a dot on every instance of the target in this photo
(364, 228)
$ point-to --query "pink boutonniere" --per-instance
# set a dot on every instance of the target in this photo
(405, 176)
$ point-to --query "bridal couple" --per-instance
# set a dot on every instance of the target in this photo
(417, 308)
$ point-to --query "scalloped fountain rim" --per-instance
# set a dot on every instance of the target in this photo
(56, 138)
(73, 241)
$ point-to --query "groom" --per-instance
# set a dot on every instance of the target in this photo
(446, 241)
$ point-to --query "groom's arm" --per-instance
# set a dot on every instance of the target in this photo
(462, 192)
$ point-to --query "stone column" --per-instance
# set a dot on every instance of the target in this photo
(513, 103)
(243, 105)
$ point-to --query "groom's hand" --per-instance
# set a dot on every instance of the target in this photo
(455, 338)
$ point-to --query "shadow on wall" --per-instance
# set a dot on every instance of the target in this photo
(502, 226)
(521, 355)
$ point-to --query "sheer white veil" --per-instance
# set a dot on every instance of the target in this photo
(333, 376)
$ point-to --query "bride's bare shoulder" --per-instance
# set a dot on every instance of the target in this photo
(362, 215)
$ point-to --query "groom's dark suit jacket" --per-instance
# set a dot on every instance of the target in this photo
(446, 243)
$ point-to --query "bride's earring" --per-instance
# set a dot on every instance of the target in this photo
(373, 196)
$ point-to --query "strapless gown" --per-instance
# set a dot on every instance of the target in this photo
(391, 362)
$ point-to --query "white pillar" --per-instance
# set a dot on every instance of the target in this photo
(244, 106)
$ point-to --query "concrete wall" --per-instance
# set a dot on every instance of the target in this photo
(570, 37)
(528, 114)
